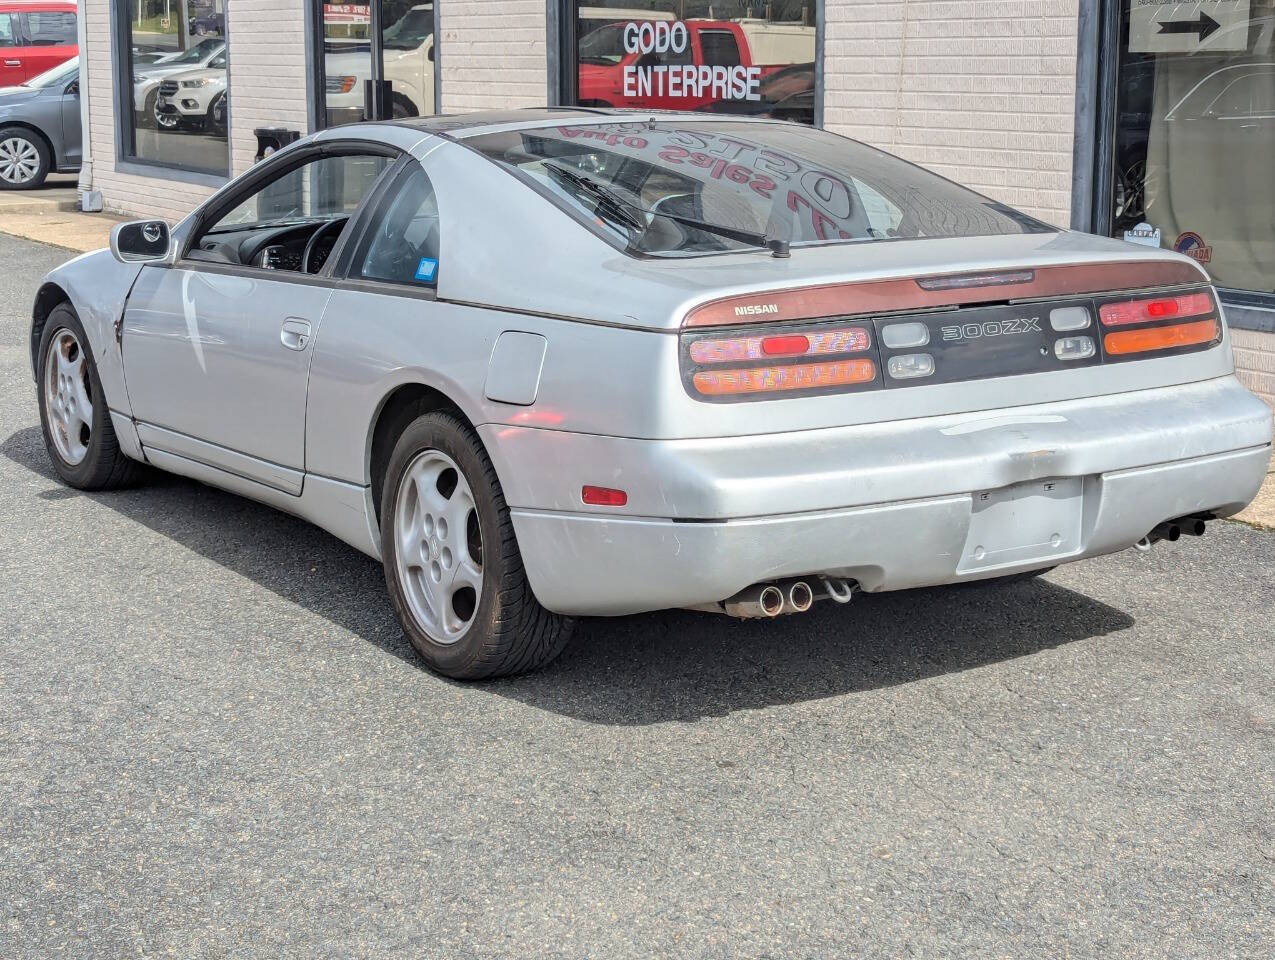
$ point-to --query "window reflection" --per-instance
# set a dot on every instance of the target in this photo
(178, 60)
(1195, 133)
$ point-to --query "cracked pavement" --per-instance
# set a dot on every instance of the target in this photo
(214, 742)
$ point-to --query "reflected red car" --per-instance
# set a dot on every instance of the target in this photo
(35, 36)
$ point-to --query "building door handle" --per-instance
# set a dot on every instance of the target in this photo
(295, 334)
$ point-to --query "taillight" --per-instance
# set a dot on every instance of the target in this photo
(764, 363)
(1160, 324)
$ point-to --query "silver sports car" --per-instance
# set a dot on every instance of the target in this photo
(573, 362)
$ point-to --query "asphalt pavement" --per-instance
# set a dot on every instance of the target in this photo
(214, 742)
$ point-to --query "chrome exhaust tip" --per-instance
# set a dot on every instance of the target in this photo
(771, 600)
(800, 597)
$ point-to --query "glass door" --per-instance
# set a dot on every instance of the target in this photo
(378, 60)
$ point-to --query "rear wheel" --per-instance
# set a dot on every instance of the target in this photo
(73, 414)
(24, 159)
(452, 564)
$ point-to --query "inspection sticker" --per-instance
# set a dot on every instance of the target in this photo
(427, 269)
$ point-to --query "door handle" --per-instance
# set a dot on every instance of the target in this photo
(13, 63)
(295, 334)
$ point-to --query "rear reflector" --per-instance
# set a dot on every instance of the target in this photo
(1157, 308)
(774, 379)
(1160, 338)
(603, 496)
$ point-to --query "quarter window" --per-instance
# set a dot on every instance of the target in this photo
(7, 38)
(402, 245)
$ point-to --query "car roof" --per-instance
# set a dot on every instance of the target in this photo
(464, 125)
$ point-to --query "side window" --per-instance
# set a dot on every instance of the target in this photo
(402, 245)
(50, 29)
(8, 36)
(719, 48)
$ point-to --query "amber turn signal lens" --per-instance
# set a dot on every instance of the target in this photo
(806, 376)
(1160, 338)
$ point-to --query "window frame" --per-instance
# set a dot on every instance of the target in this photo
(122, 69)
(15, 31)
(262, 175)
(316, 63)
(1094, 149)
(563, 70)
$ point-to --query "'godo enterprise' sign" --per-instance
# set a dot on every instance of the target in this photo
(647, 78)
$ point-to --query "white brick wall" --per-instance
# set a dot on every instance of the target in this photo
(267, 64)
(493, 54)
(982, 91)
(1255, 362)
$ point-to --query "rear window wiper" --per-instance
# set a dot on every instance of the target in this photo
(623, 209)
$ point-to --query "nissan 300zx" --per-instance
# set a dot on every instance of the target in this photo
(550, 364)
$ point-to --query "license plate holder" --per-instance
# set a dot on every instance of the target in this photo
(1024, 522)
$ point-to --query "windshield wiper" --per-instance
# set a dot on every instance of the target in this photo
(622, 210)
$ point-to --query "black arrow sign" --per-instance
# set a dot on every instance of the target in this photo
(1204, 26)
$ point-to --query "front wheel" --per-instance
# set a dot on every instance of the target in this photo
(452, 564)
(24, 159)
(73, 413)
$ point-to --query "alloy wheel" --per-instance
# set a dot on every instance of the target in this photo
(438, 546)
(19, 160)
(68, 397)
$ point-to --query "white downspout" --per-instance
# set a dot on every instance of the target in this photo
(86, 140)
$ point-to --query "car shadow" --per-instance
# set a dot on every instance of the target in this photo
(660, 667)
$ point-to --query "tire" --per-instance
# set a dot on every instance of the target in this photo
(24, 159)
(402, 108)
(90, 459)
(210, 122)
(440, 471)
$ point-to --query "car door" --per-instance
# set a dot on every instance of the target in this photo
(217, 345)
(49, 37)
(12, 63)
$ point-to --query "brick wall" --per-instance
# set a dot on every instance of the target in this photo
(981, 91)
(267, 64)
(493, 54)
(1255, 362)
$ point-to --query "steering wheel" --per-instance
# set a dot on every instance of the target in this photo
(335, 224)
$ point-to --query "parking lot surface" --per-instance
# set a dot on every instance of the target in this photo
(214, 742)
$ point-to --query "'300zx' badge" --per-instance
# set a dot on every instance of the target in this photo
(991, 328)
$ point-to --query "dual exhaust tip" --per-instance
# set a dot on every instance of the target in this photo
(1172, 531)
(771, 599)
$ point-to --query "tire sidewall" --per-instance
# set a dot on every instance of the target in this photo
(80, 474)
(41, 150)
(443, 432)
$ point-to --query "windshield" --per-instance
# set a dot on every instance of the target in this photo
(196, 53)
(603, 46)
(415, 27)
(62, 73)
(684, 187)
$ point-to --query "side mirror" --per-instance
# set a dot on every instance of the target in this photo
(141, 241)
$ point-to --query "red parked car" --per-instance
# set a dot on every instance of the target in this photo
(35, 36)
(686, 64)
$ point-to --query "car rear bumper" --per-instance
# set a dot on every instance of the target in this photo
(897, 505)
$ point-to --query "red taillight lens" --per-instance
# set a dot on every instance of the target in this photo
(1161, 338)
(776, 379)
(603, 496)
(1157, 308)
(815, 343)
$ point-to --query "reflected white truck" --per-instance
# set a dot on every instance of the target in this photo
(409, 67)
(548, 364)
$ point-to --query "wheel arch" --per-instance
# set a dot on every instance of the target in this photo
(49, 296)
(398, 408)
(54, 159)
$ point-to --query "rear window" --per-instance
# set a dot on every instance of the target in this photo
(692, 187)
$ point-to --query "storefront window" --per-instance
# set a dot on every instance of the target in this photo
(173, 100)
(741, 57)
(355, 57)
(1195, 135)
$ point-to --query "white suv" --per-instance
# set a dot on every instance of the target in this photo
(194, 98)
